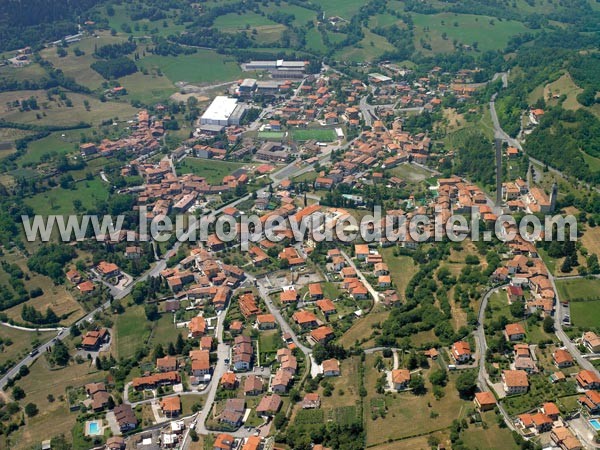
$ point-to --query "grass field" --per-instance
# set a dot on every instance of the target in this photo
(591, 240)
(563, 86)
(149, 88)
(466, 29)
(205, 66)
(56, 112)
(326, 135)
(347, 383)
(301, 15)
(406, 408)
(131, 331)
(263, 29)
(212, 170)
(369, 48)
(586, 314)
(164, 331)
(342, 8)
(33, 72)
(53, 416)
(578, 289)
(362, 328)
(490, 437)
(21, 342)
(78, 67)
(60, 201)
(402, 269)
(56, 297)
(271, 135)
(53, 143)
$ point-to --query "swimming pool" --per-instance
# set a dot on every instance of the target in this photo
(93, 428)
(596, 424)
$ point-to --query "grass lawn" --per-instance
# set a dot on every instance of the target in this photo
(78, 67)
(53, 143)
(56, 112)
(205, 66)
(22, 342)
(591, 240)
(212, 170)
(326, 135)
(369, 48)
(33, 72)
(60, 201)
(129, 331)
(466, 29)
(345, 387)
(490, 437)
(362, 329)
(410, 173)
(149, 88)
(271, 135)
(342, 8)
(578, 289)
(54, 417)
(585, 314)
(270, 341)
(314, 41)
(164, 331)
(406, 408)
(402, 269)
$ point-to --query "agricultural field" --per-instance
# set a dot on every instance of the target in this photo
(22, 342)
(369, 48)
(205, 66)
(326, 135)
(78, 67)
(585, 314)
(149, 88)
(128, 334)
(402, 269)
(362, 329)
(488, 437)
(262, 29)
(301, 15)
(341, 8)
(54, 415)
(402, 408)
(584, 289)
(212, 170)
(56, 297)
(57, 111)
(488, 32)
(591, 240)
(60, 200)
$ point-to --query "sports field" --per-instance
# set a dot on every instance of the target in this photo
(317, 135)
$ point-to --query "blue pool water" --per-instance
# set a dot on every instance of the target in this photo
(596, 424)
(94, 428)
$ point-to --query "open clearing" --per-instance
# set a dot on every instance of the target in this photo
(369, 48)
(586, 314)
(407, 408)
(488, 32)
(60, 201)
(488, 438)
(362, 329)
(591, 240)
(212, 170)
(55, 415)
(563, 86)
(129, 335)
(21, 342)
(578, 289)
(56, 111)
(402, 269)
(204, 66)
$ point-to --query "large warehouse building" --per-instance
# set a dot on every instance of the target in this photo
(223, 111)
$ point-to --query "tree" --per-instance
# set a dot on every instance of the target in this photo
(279, 420)
(179, 344)
(466, 383)
(159, 351)
(439, 377)
(517, 309)
(548, 324)
(151, 311)
(18, 393)
(417, 384)
(31, 409)
(194, 435)
(60, 353)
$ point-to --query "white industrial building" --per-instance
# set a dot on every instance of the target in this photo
(223, 111)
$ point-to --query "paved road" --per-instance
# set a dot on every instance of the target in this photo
(374, 294)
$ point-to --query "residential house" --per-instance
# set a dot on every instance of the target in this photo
(588, 380)
(591, 402)
(166, 364)
(331, 368)
(311, 401)
(233, 413)
(108, 270)
(125, 417)
(515, 382)
(562, 358)
(400, 379)
(564, 439)
(171, 406)
(269, 405)
(253, 385)
(461, 352)
(305, 319)
(93, 340)
(514, 332)
(229, 381)
(322, 334)
(485, 401)
(266, 321)
(200, 362)
(281, 381)
(197, 326)
(224, 441)
(326, 306)
(315, 291)
(592, 341)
